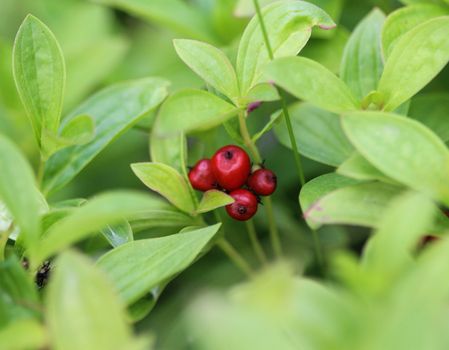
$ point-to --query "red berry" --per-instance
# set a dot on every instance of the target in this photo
(244, 206)
(201, 176)
(231, 166)
(263, 182)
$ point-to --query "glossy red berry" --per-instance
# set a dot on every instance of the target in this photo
(201, 176)
(231, 166)
(244, 207)
(263, 182)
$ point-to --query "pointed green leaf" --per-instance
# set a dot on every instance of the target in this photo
(78, 131)
(105, 209)
(18, 191)
(79, 296)
(114, 110)
(213, 199)
(168, 150)
(210, 64)
(262, 92)
(359, 168)
(320, 186)
(362, 65)
(118, 234)
(432, 110)
(137, 267)
(318, 134)
(419, 55)
(360, 204)
(39, 72)
(312, 82)
(391, 246)
(402, 149)
(402, 20)
(166, 181)
(23, 335)
(289, 25)
(192, 110)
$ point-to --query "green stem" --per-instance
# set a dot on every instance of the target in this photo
(235, 257)
(247, 138)
(257, 247)
(298, 163)
(274, 233)
(286, 114)
(293, 144)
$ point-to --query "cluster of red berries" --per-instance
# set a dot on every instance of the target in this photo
(229, 170)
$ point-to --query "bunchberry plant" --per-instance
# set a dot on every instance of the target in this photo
(299, 148)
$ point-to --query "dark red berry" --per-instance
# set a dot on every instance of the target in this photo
(263, 182)
(244, 207)
(231, 166)
(201, 176)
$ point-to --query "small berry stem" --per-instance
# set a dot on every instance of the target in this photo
(235, 257)
(247, 138)
(257, 246)
(232, 253)
(274, 233)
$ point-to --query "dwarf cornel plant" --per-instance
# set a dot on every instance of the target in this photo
(294, 193)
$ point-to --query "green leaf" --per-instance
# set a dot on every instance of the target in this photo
(213, 199)
(114, 110)
(19, 193)
(78, 131)
(419, 55)
(402, 149)
(262, 92)
(168, 150)
(105, 209)
(39, 72)
(289, 25)
(274, 120)
(432, 110)
(210, 64)
(360, 204)
(362, 65)
(79, 296)
(173, 14)
(137, 267)
(320, 186)
(192, 110)
(359, 168)
(404, 19)
(166, 181)
(118, 234)
(162, 215)
(312, 82)
(18, 296)
(23, 335)
(318, 134)
(390, 248)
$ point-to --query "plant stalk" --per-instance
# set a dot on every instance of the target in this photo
(257, 247)
(235, 257)
(298, 163)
